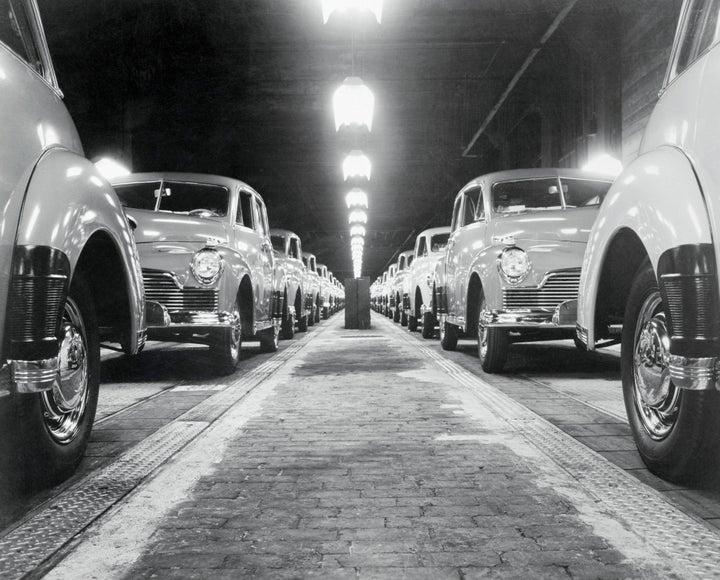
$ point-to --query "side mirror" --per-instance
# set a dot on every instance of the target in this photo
(132, 222)
(163, 192)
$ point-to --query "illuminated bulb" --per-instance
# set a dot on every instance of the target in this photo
(604, 164)
(330, 6)
(353, 104)
(356, 198)
(357, 230)
(357, 217)
(356, 164)
(109, 168)
(357, 241)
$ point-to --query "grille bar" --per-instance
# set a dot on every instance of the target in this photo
(161, 287)
(556, 288)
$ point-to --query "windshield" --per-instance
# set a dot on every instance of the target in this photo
(199, 199)
(526, 195)
(583, 192)
(438, 242)
(278, 243)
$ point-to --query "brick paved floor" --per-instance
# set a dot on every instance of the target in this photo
(364, 463)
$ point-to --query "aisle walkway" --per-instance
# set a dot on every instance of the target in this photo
(362, 458)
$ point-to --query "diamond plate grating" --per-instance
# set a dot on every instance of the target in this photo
(38, 537)
(687, 541)
(44, 533)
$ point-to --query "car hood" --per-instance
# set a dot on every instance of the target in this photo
(569, 225)
(155, 226)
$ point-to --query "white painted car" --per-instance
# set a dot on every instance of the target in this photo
(387, 290)
(429, 249)
(312, 285)
(514, 254)
(652, 263)
(288, 258)
(397, 306)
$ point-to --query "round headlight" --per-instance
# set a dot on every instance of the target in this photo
(206, 266)
(514, 263)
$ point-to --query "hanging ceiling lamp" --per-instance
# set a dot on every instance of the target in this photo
(357, 217)
(330, 6)
(356, 198)
(356, 164)
(353, 104)
(357, 230)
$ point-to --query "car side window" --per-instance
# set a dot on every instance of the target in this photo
(295, 248)
(700, 32)
(16, 32)
(455, 224)
(473, 198)
(260, 219)
(401, 264)
(422, 246)
(245, 210)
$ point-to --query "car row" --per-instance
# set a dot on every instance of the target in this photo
(537, 254)
(159, 256)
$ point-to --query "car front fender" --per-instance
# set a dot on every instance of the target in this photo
(658, 200)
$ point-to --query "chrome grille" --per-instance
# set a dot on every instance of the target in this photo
(556, 288)
(36, 305)
(161, 287)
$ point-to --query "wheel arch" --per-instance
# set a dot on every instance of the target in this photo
(475, 288)
(247, 304)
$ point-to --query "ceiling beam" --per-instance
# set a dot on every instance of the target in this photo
(518, 75)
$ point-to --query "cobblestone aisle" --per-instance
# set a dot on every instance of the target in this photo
(366, 461)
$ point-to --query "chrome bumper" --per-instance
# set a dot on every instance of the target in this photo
(695, 374)
(189, 319)
(28, 376)
(522, 318)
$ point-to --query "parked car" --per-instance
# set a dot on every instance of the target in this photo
(397, 304)
(312, 283)
(513, 256)
(418, 291)
(288, 258)
(388, 299)
(651, 266)
(375, 293)
(325, 291)
(207, 260)
(69, 274)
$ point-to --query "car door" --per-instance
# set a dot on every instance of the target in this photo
(469, 240)
(248, 242)
(267, 262)
(452, 258)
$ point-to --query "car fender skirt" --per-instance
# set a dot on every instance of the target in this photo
(39, 286)
(688, 280)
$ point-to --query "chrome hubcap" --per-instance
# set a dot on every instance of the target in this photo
(235, 334)
(656, 398)
(64, 405)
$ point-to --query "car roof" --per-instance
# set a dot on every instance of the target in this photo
(282, 232)
(537, 173)
(434, 231)
(229, 182)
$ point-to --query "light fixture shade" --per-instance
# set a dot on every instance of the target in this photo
(357, 230)
(357, 217)
(356, 198)
(356, 164)
(330, 6)
(604, 164)
(353, 104)
(109, 168)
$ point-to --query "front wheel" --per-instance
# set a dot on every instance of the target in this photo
(269, 339)
(428, 325)
(412, 323)
(396, 314)
(226, 348)
(448, 336)
(287, 331)
(676, 431)
(403, 319)
(49, 432)
(303, 323)
(492, 343)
